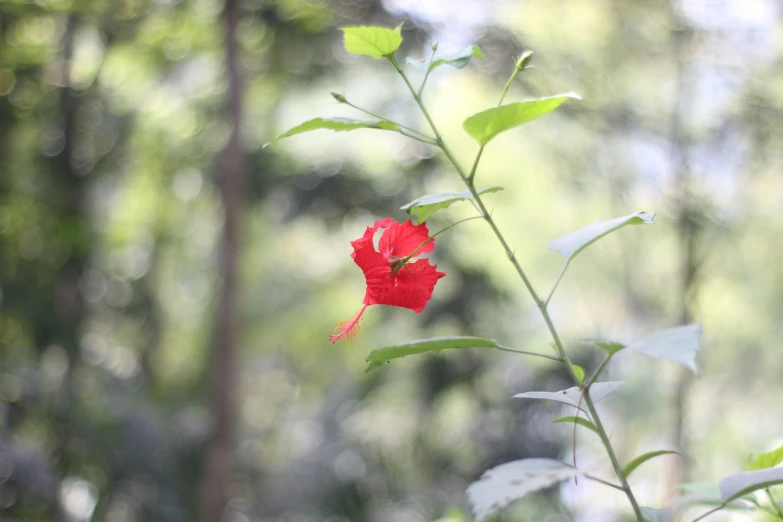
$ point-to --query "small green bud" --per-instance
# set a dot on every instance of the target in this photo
(339, 97)
(524, 60)
(434, 46)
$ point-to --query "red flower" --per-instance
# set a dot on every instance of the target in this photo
(392, 279)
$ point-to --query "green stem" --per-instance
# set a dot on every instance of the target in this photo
(407, 258)
(535, 354)
(539, 303)
(419, 136)
(427, 72)
(708, 513)
(604, 482)
(597, 372)
(774, 503)
(554, 287)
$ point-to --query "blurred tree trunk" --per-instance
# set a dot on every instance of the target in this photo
(686, 211)
(231, 174)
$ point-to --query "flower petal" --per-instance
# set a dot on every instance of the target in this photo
(402, 239)
(367, 239)
(413, 286)
(377, 273)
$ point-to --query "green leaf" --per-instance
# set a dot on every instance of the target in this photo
(657, 515)
(739, 484)
(641, 459)
(337, 125)
(610, 347)
(485, 125)
(459, 59)
(765, 460)
(579, 420)
(570, 245)
(381, 355)
(502, 485)
(580, 373)
(377, 42)
(425, 206)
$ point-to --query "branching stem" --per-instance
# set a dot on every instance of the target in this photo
(542, 305)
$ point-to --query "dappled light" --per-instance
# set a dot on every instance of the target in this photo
(171, 273)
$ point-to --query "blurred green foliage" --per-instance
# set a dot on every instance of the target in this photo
(110, 125)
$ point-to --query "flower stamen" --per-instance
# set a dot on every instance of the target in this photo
(348, 328)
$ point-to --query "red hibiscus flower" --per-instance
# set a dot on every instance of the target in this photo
(392, 279)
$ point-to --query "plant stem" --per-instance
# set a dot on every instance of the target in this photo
(535, 354)
(604, 482)
(539, 303)
(708, 513)
(427, 73)
(774, 503)
(554, 287)
(597, 372)
(400, 125)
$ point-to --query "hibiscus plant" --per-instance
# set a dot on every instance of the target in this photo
(395, 275)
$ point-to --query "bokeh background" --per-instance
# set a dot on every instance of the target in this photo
(167, 285)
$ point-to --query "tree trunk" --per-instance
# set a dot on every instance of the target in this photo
(231, 174)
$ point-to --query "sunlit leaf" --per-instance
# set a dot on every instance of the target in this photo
(572, 396)
(485, 125)
(641, 459)
(459, 59)
(337, 125)
(372, 41)
(571, 244)
(740, 484)
(678, 345)
(765, 460)
(579, 420)
(425, 206)
(507, 483)
(381, 355)
(657, 515)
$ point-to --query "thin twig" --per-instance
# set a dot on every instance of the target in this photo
(524, 352)
(551, 292)
(604, 482)
(708, 513)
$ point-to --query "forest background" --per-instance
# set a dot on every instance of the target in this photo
(167, 285)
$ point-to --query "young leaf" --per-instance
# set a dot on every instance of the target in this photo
(678, 344)
(372, 41)
(507, 483)
(579, 420)
(572, 396)
(458, 60)
(425, 206)
(579, 372)
(570, 245)
(337, 125)
(381, 355)
(485, 125)
(641, 459)
(740, 484)
(657, 515)
(765, 460)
